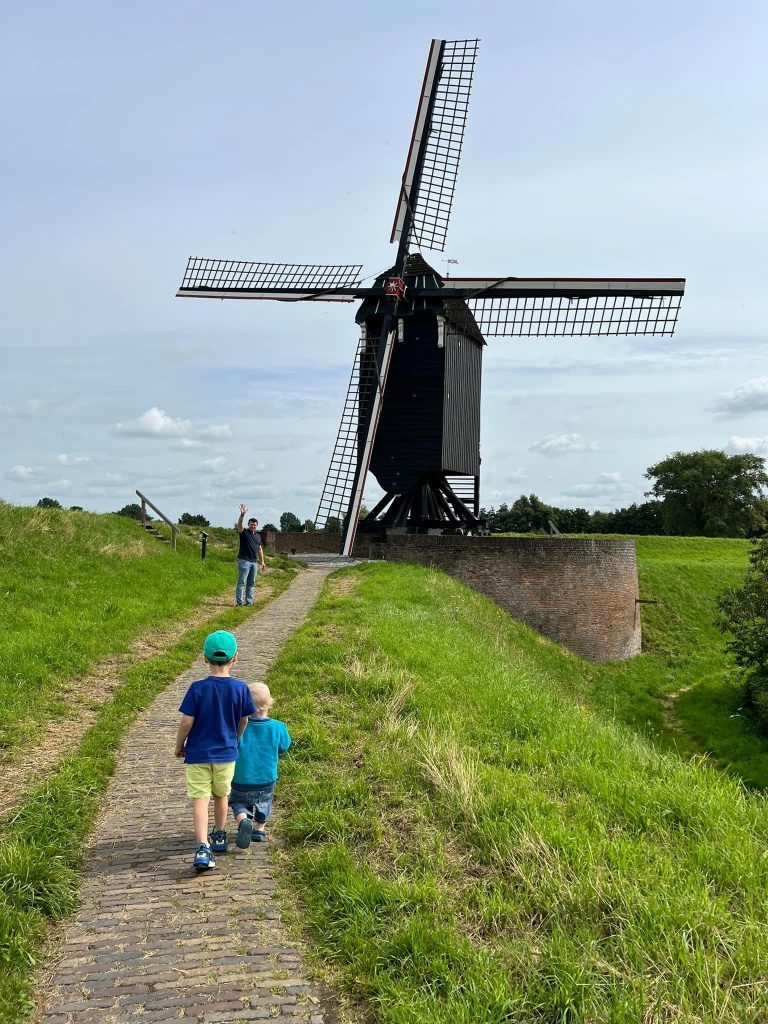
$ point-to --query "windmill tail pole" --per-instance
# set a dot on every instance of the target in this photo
(385, 351)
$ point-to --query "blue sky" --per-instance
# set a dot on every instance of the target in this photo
(603, 140)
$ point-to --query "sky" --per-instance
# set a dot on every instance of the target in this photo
(602, 140)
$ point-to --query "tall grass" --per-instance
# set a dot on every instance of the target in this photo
(473, 839)
(77, 587)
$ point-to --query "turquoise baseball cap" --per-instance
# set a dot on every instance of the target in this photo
(220, 646)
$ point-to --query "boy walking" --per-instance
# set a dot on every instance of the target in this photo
(253, 785)
(214, 714)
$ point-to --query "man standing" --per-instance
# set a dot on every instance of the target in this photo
(250, 554)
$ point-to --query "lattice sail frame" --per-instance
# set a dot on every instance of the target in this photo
(453, 64)
(561, 316)
(210, 278)
(340, 479)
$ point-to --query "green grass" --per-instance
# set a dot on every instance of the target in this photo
(474, 835)
(683, 654)
(41, 844)
(78, 586)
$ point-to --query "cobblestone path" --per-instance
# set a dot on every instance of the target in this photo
(153, 941)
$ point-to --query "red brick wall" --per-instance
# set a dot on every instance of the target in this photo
(305, 543)
(578, 592)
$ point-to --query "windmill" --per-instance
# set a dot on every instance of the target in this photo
(412, 411)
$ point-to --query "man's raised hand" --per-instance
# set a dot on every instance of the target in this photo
(243, 510)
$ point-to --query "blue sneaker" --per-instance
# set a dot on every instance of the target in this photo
(259, 836)
(204, 858)
(244, 830)
(219, 841)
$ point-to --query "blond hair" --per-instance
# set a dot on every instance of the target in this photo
(262, 698)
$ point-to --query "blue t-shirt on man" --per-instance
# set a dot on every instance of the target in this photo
(217, 704)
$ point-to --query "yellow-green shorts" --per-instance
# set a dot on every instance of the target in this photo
(204, 779)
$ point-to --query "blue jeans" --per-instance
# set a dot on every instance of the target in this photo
(255, 801)
(246, 577)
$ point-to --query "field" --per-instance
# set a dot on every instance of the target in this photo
(477, 826)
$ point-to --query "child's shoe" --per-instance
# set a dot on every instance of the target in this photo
(259, 836)
(244, 830)
(219, 841)
(204, 858)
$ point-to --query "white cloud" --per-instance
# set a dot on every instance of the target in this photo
(156, 422)
(606, 485)
(23, 473)
(745, 445)
(58, 484)
(72, 460)
(188, 442)
(749, 397)
(515, 475)
(30, 408)
(214, 464)
(217, 433)
(561, 444)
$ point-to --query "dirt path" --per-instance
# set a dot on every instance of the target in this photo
(153, 941)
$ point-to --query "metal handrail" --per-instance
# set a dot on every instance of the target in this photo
(144, 502)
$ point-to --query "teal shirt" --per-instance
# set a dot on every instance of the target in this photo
(260, 746)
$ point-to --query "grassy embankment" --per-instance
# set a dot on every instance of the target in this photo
(475, 835)
(77, 588)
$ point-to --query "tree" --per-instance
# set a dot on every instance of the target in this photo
(186, 519)
(710, 494)
(133, 511)
(268, 528)
(528, 514)
(743, 614)
(75, 508)
(333, 524)
(572, 520)
(309, 526)
(290, 523)
(48, 503)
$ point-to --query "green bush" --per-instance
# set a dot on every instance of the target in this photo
(743, 616)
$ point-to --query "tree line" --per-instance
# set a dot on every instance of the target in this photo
(692, 494)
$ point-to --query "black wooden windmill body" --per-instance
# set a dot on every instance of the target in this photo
(412, 411)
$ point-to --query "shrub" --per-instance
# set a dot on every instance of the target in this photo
(743, 615)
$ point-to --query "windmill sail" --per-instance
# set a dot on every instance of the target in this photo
(542, 307)
(342, 494)
(243, 279)
(432, 166)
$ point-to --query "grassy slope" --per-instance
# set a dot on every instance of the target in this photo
(683, 654)
(474, 839)
(78, 587)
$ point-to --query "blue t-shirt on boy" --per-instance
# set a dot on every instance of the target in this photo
(217, 704)
(261, 744)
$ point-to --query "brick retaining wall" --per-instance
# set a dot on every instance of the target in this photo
(577, 591)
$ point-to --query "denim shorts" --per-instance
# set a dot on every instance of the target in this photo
(255, 801)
